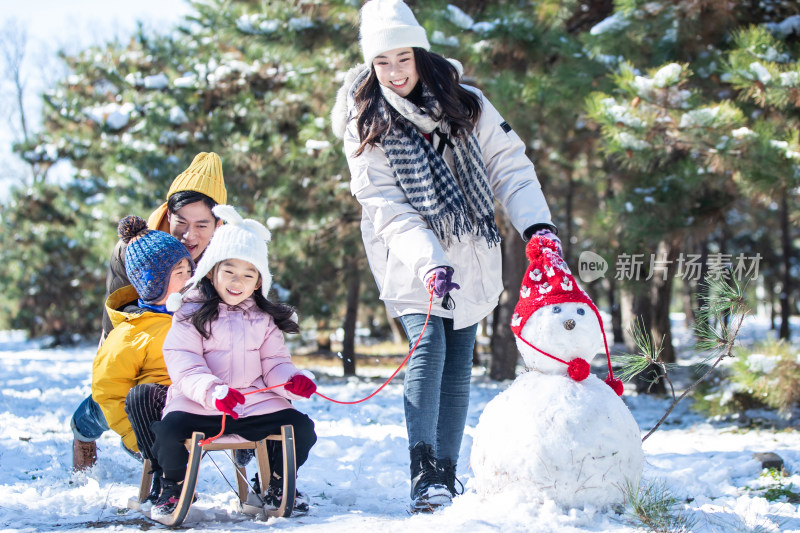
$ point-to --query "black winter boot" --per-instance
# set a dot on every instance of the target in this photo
(447, 469)
(243, 457)
(155, 492)
(428, 492)
(168, 500)
(273, 498)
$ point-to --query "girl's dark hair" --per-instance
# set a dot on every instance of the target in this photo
(183, 198)
(460, 107)
(209, 310)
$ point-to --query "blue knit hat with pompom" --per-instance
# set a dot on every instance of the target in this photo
(150, 257)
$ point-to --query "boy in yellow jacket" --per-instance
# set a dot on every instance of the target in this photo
(157, 265)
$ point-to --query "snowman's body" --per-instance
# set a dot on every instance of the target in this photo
(551, 437)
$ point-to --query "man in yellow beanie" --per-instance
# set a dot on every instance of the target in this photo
(187, 216)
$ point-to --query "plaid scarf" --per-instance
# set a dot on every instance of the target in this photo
(452, 205)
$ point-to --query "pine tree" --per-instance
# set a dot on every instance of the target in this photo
(253, 82)
(672, 129)
(765, 70)
(52, 280)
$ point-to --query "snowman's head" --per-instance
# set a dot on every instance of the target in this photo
(557, 325)
(565, 330)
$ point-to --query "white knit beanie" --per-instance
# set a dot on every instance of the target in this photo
(387, 25)
(238, 238)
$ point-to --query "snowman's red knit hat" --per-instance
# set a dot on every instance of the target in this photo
(548, 281)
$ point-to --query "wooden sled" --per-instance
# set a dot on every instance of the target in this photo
(230, 442)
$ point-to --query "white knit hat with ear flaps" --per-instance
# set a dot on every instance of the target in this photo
(388, 25)
(238, 238)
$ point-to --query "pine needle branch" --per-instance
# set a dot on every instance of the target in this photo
(725, 300)
(652, 506)
(633, 365)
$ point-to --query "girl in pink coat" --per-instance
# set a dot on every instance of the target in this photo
(227, 339)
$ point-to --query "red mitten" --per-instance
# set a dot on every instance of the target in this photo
(226, 398)
(300, 386)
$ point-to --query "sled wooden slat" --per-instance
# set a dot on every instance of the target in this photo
(286, 438)
(144, 487)
(189, 483)
(289, 472)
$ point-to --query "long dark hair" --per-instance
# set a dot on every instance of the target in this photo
(458, 106)
(209, 310)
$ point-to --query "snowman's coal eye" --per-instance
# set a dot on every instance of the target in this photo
(556, 309)
(581, 311)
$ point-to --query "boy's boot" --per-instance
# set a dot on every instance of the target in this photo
(135, 455)
(155, 492)
(242, 457)
(428, 492)
(84, 454)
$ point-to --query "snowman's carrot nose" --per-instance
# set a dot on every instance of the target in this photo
(569, 324)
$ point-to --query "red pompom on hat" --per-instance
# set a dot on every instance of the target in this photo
(548, 281)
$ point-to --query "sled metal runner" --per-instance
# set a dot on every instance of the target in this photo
(196, 451)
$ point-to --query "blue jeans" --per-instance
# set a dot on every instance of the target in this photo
(88, 421)
(436, 388)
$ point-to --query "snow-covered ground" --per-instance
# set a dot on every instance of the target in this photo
(357, 474)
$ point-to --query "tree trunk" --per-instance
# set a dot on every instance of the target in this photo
(688, 303)
(614, 308)
(635, 306)
(726, 267)
(348, 343)
(476, 358)
(397, 331)
(660, 297)
(769, 289)
(323, 337)
(688, 289)
(503, 348)
(369, 320)
(702, 288)
(482, 333)
(786, 264)
(566, 236)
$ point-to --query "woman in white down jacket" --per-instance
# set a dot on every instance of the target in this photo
(428, 157)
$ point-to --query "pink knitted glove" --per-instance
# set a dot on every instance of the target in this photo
(300, 385)
(442, 281)
(226, 398)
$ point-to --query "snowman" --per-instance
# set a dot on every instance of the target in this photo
(557, 433)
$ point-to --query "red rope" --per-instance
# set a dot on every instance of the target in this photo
(542, 351)
(222, 431)
(430, 306)
(427, 318)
